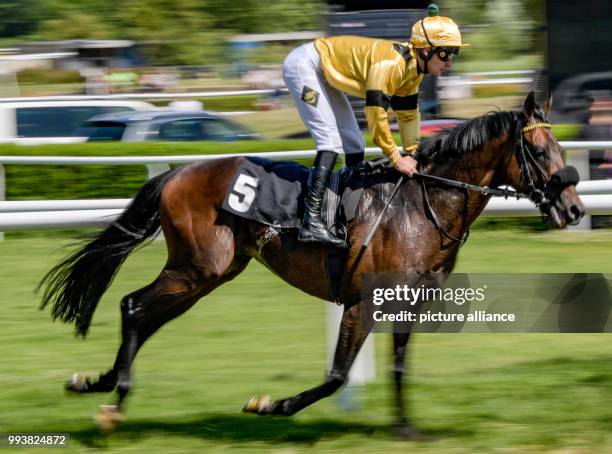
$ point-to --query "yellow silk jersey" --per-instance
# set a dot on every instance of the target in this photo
(385, 74)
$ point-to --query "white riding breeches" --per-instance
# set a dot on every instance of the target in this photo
(325, 111)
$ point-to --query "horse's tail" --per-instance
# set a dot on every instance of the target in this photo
(76, 284)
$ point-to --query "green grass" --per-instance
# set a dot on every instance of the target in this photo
(274, 123)
(222, 103)
(153, 148)
(511, 393)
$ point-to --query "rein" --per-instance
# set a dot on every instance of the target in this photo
(435, 219)
(559, 180)
(485, 190)
(497, 192)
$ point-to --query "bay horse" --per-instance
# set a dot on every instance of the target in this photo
(208, 246)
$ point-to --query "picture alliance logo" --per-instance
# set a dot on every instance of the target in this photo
(412, 295)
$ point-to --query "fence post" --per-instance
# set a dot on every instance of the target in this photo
(156, 169)
(364, 367)
(2, 191)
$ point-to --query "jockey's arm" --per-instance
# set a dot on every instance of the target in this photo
(409, 122)
(377, 103)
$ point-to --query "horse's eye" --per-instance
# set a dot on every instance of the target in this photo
(540, 153)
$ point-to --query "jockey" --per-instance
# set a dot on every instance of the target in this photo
(385, 73)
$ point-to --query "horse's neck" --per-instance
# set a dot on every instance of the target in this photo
(480, 168)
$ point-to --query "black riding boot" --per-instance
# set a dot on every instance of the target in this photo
(313, 230)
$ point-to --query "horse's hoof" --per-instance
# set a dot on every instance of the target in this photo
(108, 418)
(259, 405)
(77, 383)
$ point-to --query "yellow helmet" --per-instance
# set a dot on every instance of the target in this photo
(436, 31)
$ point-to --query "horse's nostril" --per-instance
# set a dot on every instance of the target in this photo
(575, 212)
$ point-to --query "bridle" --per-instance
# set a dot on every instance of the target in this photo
(543, 197)
(555, 184)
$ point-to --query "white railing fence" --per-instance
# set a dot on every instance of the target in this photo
(596, 195)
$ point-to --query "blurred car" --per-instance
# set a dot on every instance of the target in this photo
(163, 126)
(42, 122)
(431, 127)
(573, 96)
(428, 127)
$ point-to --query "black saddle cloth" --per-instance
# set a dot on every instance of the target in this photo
(273, 192)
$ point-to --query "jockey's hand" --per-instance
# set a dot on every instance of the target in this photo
(407, 165)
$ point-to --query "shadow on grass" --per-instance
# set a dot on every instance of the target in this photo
(247, 428)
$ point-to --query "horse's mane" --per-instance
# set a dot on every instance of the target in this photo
(471, 135)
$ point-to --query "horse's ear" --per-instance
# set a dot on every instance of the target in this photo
(529, 106)
(548, 104)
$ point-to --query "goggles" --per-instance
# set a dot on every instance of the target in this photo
(446, 53)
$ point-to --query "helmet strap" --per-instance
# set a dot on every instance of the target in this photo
(425, 57)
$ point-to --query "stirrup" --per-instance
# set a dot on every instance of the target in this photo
(323, 236)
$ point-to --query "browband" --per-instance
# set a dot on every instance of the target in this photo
(536, 126)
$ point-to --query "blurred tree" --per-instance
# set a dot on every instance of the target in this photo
(74, 25)
(536, 10)
(253, 16)
(464, 13)
(174, 31)
(19, 17)
(496, 29)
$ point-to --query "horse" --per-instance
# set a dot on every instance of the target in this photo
(419, 232)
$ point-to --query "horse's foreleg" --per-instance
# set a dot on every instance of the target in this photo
(403, 427)
(353, 332)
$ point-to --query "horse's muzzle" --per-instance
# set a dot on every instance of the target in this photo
(563, 206)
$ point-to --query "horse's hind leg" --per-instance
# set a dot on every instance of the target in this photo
(107, 382)
(144, 312)
(354, 329)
